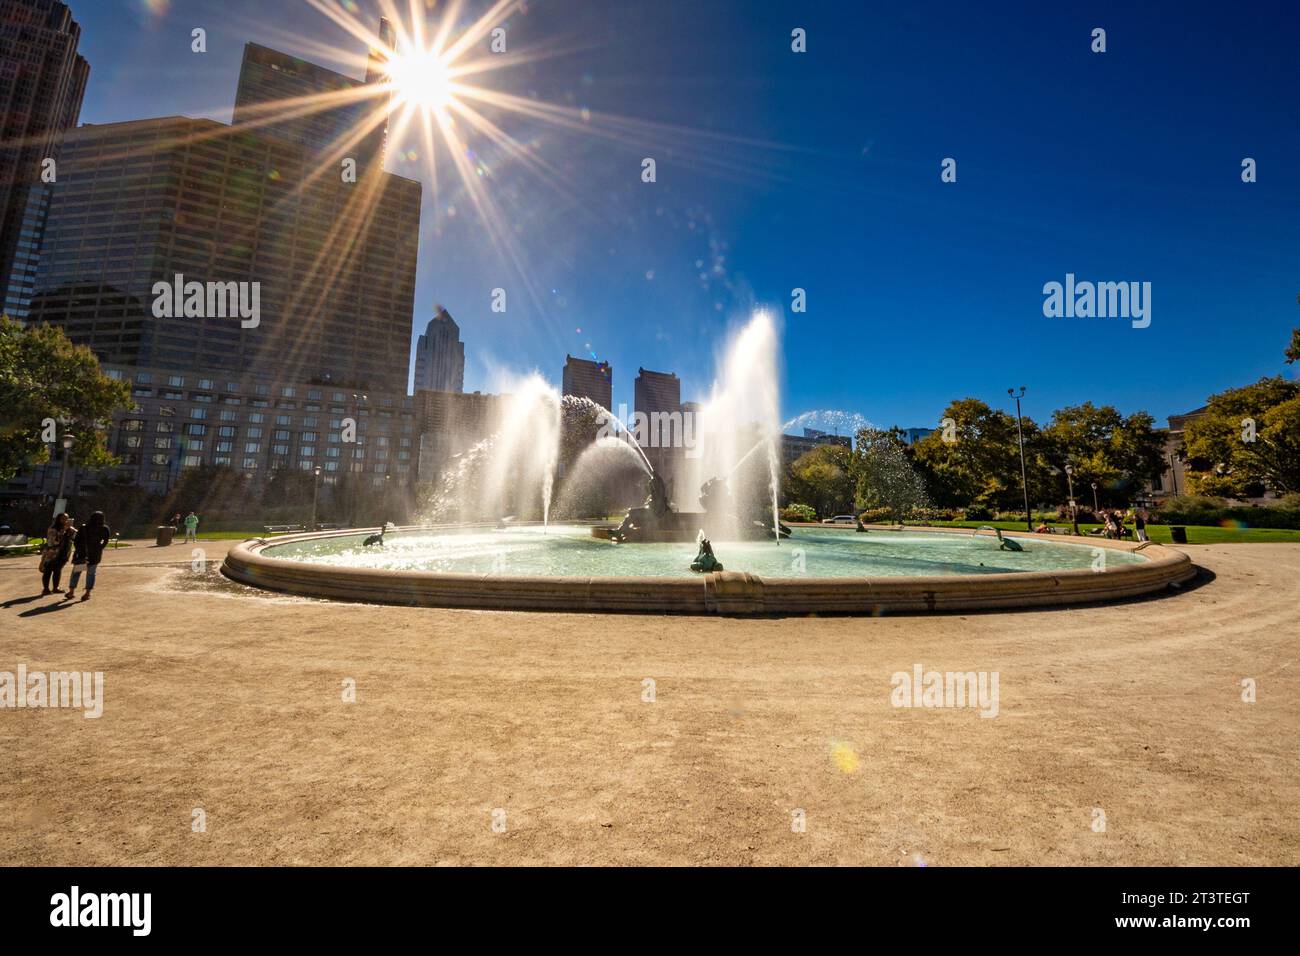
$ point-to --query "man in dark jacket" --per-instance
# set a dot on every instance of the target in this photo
(87, 551)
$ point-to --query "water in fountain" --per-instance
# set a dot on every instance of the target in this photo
(742, 409)
(512, 471)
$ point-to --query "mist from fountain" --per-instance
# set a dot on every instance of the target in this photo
(743, 407)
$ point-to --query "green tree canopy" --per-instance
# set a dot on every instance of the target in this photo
(44, 377)
(977, 460)
(1120, 453)
(1223, 459)
(823, 479)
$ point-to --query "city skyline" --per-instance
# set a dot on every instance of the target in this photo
(894, 264)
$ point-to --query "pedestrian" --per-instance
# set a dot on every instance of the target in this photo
(55, 552)
(1140, 524)
(88, 549)
(176, 520)
(191, 528)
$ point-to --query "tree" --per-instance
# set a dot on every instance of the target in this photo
(977, 460)
(1293, 350)
(886, 478)
(823, 479)
(1120, 454)
(1248, 437)
(46, 379)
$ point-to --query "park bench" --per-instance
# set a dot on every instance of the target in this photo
(282, 528)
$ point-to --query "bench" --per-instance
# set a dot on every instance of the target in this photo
(282, 528)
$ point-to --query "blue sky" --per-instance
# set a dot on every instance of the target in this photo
(821, 171)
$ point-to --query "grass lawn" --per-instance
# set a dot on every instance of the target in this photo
(1196, 534)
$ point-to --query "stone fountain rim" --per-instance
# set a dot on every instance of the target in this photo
(726, 592)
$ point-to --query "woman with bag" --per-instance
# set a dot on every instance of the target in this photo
(55, 552)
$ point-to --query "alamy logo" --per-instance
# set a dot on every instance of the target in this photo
(73, 689)
(654, 430)
(946, 689)
(208, 300)
(1101, 300)
(103, 909)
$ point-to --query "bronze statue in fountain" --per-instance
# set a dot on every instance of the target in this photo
(657, 521)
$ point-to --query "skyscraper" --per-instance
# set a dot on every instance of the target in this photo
(332, 264)
(299, 102)
(42, 82)
(658, 396)
(586, 379)
(440, 356)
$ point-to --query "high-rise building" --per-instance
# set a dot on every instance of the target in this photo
(42, 83)
(440, 356)
(658, 396)
(299, 102)
(329, 265)
(587, 379)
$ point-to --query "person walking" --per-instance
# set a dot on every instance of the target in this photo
(1140, 524)
(87, 551)
(191, 528)
(55, 553)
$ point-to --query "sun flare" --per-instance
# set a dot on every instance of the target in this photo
(421, 79)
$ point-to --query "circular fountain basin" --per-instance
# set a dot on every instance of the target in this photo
(816, 571)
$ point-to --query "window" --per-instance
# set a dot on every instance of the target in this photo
(132, 425)
(198, 413)
(250, 464)
(165, 428)
(226, 431)
(252, 448)
(162, 443)
(256, 418)
(283, 420)
(281, 435)
(307, 450)
(176, 381)
(228, 416)
(195, 429)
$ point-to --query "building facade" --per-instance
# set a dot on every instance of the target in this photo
(587, 379)
(188, 419)
(333, 115)
(329, 265)
(42, 83)
(794, 447)
(440, 356)
(656, 395)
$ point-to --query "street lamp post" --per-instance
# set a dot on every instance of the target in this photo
(1074, 510)
(1024, 478)
(1095, 506)
(63, 473)
(315, 487)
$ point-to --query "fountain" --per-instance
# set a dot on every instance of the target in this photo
(546, 450)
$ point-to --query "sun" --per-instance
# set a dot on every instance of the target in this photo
(421, 79)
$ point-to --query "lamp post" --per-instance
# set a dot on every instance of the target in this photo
(315, 487)
(1095, 506)
(1074, 511)
(63, 473)
(1020, 435)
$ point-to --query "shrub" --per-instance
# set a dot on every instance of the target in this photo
(798, 512)
(1196, 510)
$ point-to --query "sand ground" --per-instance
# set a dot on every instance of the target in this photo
(229, 700)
